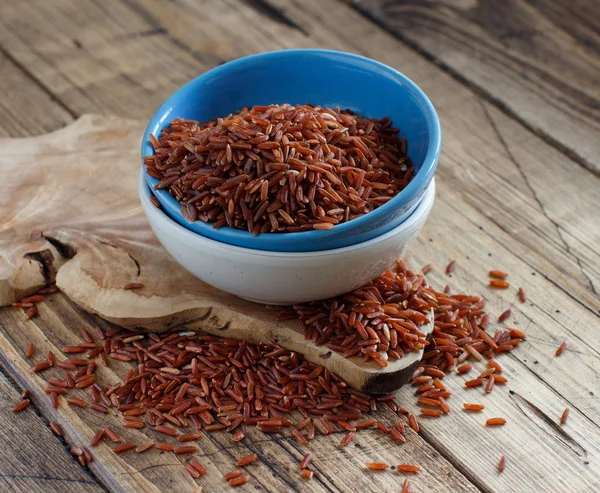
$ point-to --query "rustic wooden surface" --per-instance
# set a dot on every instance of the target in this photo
(95, 239)
(538, 60)
(515, 191)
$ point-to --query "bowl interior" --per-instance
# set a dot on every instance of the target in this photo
(318, 77)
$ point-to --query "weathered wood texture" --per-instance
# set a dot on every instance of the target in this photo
(33, 459)
(338, 470)
(537, 59)
(506, 199)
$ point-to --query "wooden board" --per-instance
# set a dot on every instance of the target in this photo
(85, 230)
(537, 60)
(40, 462)
(516, 200)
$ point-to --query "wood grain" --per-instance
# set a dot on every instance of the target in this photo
(31, 457)
(26, 107)
(506, 199)
(536, 59)
(336, 469)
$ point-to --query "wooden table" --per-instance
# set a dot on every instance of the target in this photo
(517, 88)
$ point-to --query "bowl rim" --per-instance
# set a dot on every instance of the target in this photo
(422, 177)
(149, 208)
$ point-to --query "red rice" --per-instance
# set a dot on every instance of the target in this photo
(378, 322)
(238, 481)
(495, 283)
(247, 460)
(233, 474)
(307, 474)
(504, 315)
(377, 466)
(406, 486)
(347, 438)
(145, 446)
(97, 438)
(186, 449)
(280, 168)
(561, 348)
(193, 379)
(165, 447)
(495, 422)
(198, 467)
(133, 285)
(31, 312)
(238, 436)
(432, 413)
(522, 295)
(305, 461)
(56, 428)
(564, 416)
(473, 407)
(123, 447)
(407, 468)
(21, 405)
(450, 267)
(501, 464)
(498, 274)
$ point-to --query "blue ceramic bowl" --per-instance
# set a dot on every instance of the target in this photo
(318, 77)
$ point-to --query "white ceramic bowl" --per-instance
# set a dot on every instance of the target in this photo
(284, 277)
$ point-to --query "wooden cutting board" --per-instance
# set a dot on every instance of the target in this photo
(75, 219)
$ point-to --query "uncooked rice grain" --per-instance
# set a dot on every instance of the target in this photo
(378, 322)
(502, 464)
(247, 460)
(473, 407)
(240, 480)
(280, 168)
(233, 474)
(192, 380)
(21, 405)
(305, 461)
(56, 428)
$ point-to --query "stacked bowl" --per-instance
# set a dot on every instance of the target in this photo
(288, 268)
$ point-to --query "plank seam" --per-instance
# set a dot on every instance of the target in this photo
(563, 149)
(534, 194)
(38, 83)
(15, 384)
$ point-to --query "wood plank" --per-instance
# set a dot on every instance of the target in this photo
(544, 328)
(26, 107)
(537, 59)
(336, 469)
(31, 458)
